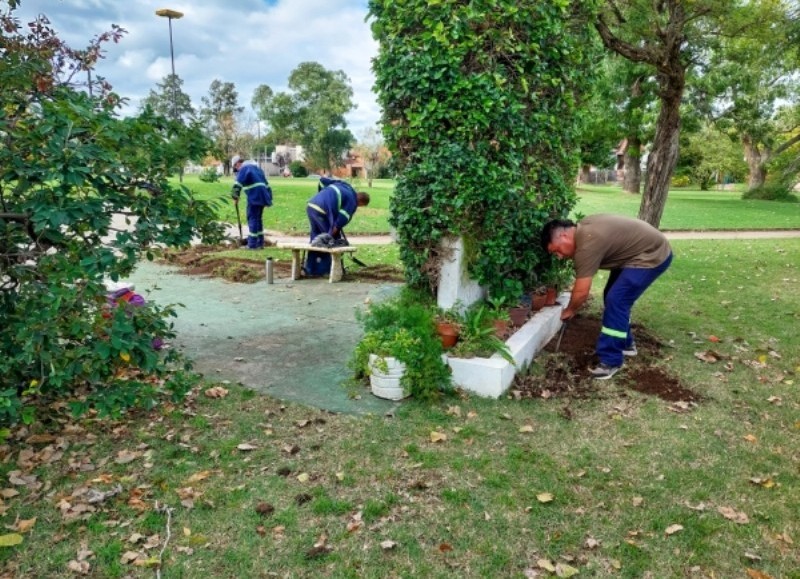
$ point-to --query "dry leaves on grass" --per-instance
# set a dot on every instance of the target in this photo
(733, 515)
(216, 392)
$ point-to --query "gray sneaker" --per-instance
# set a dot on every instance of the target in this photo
(630, 351)
(603, 371)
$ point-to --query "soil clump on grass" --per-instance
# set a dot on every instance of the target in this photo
(565, 374)
(204, 261)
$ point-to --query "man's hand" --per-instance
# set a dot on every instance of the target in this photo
(567, 314)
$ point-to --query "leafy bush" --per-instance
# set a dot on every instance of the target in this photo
(403, 328)
(298, 169)
(67, 165)
(479, 105)
(681, 181)
(771, 192)
(209, 175)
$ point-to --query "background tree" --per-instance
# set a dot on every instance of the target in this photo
(752, 92)
(478, 107)
(169, 100)
(68, 165)
(312, 113)
(218, 112)
(670, 36)
(373, 152)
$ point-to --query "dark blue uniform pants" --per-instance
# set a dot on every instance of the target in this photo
(624, 287)
(255, 223)
(317, 263)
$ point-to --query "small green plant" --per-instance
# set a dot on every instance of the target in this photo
(403, 328)
(298, 169)
(478, 336)
(209, 175)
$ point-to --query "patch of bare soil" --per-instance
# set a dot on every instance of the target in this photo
(201, 260)
(565, 373)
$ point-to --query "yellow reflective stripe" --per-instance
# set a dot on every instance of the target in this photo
(254, 185)
(343, 212)
(338, 197)
(613, 333)
(316, 207)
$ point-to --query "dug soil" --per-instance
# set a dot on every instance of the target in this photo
(565, 373)
(205, 261)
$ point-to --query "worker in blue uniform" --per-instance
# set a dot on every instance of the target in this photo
(251, 179)
(328, 212)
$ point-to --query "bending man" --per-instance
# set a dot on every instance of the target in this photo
(251, 179)
(634, 252)
(328, 212)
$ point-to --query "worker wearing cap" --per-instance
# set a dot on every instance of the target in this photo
(634, 252)
(328, 212)
(251, 179)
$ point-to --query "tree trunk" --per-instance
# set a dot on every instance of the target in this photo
(585, 174)
(756, 163)
(632, 163)
(664, 152)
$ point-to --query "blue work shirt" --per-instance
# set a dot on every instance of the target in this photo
(251, 179)
(337, 199)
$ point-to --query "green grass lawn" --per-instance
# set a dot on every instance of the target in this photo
(630, 486)
(685, 209)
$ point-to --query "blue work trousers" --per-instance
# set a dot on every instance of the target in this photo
(624, 287)
(317, 263)
(255, 223)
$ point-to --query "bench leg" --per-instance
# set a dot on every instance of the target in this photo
(295, 264)
(337, 271)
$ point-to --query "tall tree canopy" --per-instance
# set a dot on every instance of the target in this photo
(670, 36)
(218, 113)
(311, 113)
(169, 100)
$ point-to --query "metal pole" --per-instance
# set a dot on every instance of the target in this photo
(172, 59)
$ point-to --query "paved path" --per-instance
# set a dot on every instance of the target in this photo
(386, 239)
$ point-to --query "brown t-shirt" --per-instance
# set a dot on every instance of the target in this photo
(611, 241)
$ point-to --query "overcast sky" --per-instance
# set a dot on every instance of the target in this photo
(246, 42)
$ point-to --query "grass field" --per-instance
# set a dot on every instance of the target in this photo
(685, 209)
(631, 486)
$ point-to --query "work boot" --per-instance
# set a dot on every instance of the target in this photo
(604, 371)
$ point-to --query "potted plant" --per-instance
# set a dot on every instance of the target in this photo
(539, 298)
(400, 350)
(499, 311)
(448, 327)
(478, 337)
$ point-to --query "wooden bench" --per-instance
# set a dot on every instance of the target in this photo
(337, 254)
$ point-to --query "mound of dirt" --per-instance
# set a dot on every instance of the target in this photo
(202, 260)
(565, 373)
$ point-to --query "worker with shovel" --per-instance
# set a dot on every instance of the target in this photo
(635, 253)
(328, 212)
(249, 177)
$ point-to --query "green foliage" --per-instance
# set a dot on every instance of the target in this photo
(479, 114)
(771, 191)
(680, 181)
(312, 113)
(403, 328)
(298, 169)
(209, 175)
(68, 165)
(477, 337)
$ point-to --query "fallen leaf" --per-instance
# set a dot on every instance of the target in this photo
(546, 564)
(453, 411)
(564, 570)
(733, 515)
(216, 392)
(386, 545)
(25, 525)
(544, 497)
(198, 476)
(303, 477)
(756, 574)
(437, 436)
(672, 529)
(10, 539)
(713, 339)
(80, 567)
(708, 356)
(750, 438)
(246, 446)
(637, 501)
(8, 493)
(445, 547)
(129, 557)
(526, 428)
(592, 543)
(126, 456)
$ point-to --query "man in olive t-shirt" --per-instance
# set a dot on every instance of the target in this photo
(634, 252)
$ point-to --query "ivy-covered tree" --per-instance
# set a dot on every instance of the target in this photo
(68, 166)
(479, 103)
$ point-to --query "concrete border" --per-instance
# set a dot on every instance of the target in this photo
(491, 377)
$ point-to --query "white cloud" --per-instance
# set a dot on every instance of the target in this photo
(246, 42)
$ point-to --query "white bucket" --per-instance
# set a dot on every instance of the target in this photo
(386, 384)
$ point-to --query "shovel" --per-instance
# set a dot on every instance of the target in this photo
(354, 258)
(561, 335)
(242, 240)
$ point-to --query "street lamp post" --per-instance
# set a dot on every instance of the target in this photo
(170, 14)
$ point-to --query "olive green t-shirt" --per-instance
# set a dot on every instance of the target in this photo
(611, 241)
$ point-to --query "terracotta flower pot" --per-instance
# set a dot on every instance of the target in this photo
(448, 334)
(551, 296)
(519, 315)
(500, 328)
(538, 301)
